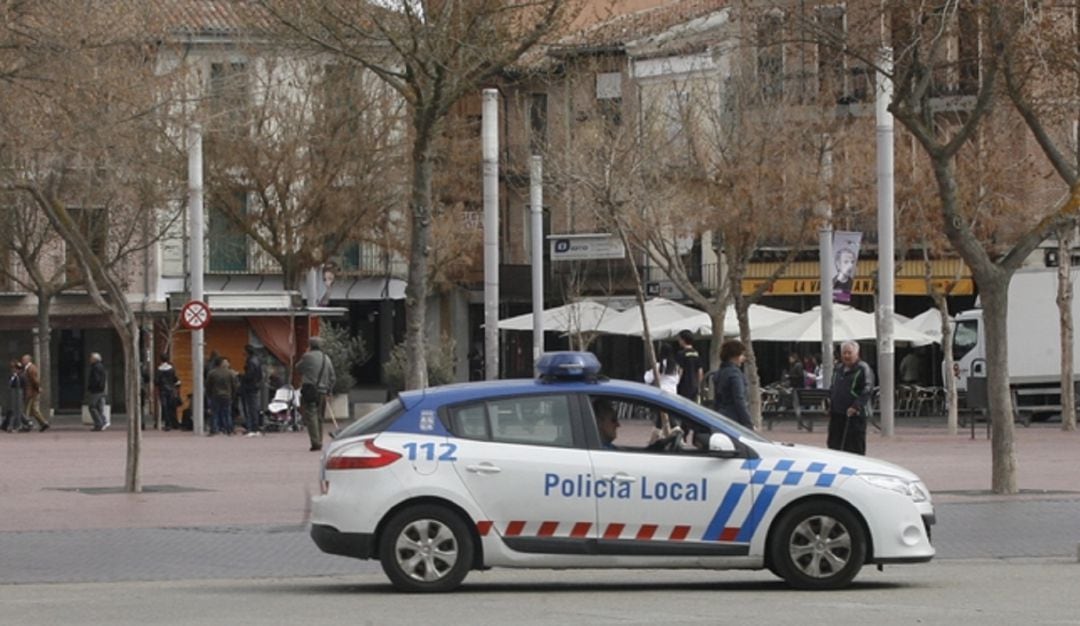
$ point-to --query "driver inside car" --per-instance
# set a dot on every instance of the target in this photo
(607, 423)
(607, 426)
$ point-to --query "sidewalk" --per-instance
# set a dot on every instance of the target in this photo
(221, 481)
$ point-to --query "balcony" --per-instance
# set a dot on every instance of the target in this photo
(362, 260)
(10, 277)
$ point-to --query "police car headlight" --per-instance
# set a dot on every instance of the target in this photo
(912, 488)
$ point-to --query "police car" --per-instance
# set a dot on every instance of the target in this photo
(518, 473)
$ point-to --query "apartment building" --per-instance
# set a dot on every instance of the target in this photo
(627, 65)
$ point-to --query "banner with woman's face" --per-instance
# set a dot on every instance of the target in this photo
(845, 257)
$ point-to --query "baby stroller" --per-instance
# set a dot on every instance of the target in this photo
(283, 412)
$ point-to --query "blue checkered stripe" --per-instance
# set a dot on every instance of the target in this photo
(783, 473)
(788, 472)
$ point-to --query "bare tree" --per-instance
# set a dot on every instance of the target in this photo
(607, 168)
(303, 155)
(960, 47)
(44, 272)
(758, 170)
(86, 143)
(1064, 302)
(1042, 80)
(433, 54)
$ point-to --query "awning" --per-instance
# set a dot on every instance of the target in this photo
(372, 288)
(802, 278)
(343, 288)
(232, 304)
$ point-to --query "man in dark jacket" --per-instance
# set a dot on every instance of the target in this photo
(317, 381)
(95, 391)
(250, 385)
(852, 384)
(729, 384)
(221, 385)
(167, 384)
(690, 361)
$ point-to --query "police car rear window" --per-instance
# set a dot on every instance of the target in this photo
(538, 420)
(376, 421)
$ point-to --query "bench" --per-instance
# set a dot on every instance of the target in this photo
(803, 404)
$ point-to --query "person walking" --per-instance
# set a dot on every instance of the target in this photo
(316, 381)
(221, 386)
(32, 392)
(796, 372)
(690, 363)
(250, 385)
(670, 375)
(849, 404)
(167, 384)
(729, 383)
(15, 420)
(95, 391)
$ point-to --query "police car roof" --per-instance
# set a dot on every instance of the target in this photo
(457, 392)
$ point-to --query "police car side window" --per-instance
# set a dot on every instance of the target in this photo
(538, 420)
(470, 422)
(641, 425)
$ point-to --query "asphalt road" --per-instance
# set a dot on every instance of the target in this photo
(985, 529)
(950, 591)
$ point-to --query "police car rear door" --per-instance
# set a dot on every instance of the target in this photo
(515, 456)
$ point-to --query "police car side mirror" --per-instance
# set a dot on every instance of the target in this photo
(722, 445)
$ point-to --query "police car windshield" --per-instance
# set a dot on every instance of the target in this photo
(695, 408)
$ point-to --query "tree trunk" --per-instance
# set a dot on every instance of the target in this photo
(44, 347)
(416, 292)
(716, 317)
(753, 393)
(639, 292)
(129, 333)
(949, 378)
(994, 291)
(1064, 302)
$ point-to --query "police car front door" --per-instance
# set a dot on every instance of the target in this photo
(522, 461)
(671, 504)
(684, 502)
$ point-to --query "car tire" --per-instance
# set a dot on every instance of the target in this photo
(818, 544)
(426, 549)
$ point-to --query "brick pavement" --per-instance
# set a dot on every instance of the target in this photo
(267, 480)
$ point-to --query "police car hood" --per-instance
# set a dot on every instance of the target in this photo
(812, 454)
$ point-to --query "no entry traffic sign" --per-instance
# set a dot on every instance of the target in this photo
(195, 315)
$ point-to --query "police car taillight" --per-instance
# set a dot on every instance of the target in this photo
(361, 455)
(568, 366)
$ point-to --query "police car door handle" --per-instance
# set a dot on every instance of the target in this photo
(483, 468)
(620, 478)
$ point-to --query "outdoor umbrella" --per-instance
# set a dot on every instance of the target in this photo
(582, 316)
(849, 324)
(929, 323)
(666, 319)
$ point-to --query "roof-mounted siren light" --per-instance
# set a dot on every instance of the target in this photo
(552, 366)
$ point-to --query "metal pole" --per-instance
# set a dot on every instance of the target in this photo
(886, 236)
(490, 138)
(826, 269)
(195, 257)
(536, 200)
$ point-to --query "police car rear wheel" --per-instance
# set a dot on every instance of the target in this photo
(818, 545)
(426, 549)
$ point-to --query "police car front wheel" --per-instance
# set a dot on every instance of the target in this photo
(426, 548)
(818, 545)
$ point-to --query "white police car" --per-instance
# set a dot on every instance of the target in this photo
(517, 473)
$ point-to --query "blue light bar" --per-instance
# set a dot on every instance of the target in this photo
(568, 366)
